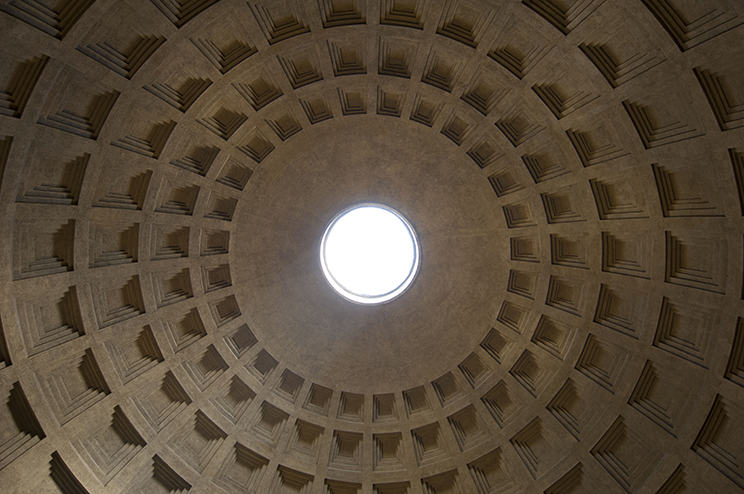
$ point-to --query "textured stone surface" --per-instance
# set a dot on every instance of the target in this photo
(574, 172)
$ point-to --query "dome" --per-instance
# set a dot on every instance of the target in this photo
(573, 171)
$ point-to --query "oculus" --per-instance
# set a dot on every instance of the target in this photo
(369, 254)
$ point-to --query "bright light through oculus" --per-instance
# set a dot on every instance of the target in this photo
(369, 254)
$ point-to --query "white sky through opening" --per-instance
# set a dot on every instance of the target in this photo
(369, 254)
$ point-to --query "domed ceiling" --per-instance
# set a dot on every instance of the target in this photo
(574, 171)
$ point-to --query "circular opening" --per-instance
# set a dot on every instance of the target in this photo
(369, 254)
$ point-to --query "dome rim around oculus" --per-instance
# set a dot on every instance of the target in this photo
(367, 298)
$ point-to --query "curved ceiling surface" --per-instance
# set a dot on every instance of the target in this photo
(574, 170)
